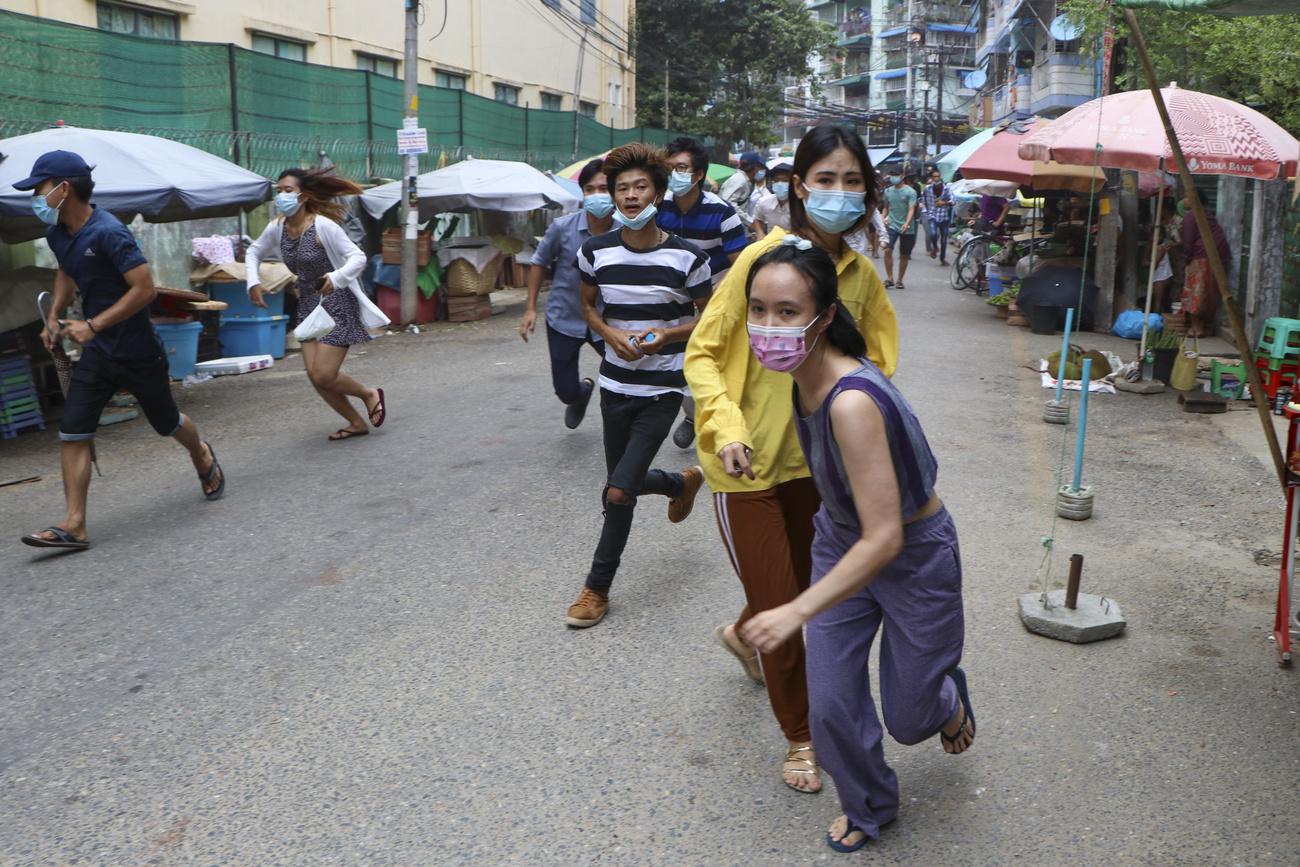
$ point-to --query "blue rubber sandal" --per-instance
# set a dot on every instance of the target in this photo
(959, 680)
(840, 847)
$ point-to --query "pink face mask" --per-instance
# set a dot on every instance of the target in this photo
(779, 349)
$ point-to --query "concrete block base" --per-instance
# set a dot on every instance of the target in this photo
(1092, 620)
(1056, 413)
(1150, 386)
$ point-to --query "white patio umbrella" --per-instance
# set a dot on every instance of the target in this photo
(494, 185)
(163, 180)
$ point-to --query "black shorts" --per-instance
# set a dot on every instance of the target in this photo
(905, 242)
(96, 377)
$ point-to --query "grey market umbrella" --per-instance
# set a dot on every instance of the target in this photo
(1058, 286)
(163, 180)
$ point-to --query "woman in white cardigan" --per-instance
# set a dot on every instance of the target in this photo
(323, 259)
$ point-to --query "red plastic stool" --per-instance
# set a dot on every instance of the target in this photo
(1272, 380)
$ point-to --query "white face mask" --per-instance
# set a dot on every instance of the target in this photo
(287, 203)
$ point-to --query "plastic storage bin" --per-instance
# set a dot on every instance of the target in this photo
(240, 337)
(182, 344)
(240, 306)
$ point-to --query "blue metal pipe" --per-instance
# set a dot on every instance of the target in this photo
(1065, 351)
(1083, 426)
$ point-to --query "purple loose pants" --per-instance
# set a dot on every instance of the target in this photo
(917, 598)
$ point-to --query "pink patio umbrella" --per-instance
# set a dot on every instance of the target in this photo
(1218, 136)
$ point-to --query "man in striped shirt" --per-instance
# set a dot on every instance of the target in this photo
(706, 220)
(653, 284)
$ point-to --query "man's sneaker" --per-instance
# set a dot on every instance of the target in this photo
(575, 411)
(685, 434)
(679, 508)
(589, 609)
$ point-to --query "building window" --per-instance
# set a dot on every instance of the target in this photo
(449, 80)
(277, 47)
(552, 101)
(587, 9)
(139, 22)
(505, 93)
(588, 109)
(378, 65)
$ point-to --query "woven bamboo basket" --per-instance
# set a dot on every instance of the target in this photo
(462, 279)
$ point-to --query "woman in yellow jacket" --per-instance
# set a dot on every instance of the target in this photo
(763, 492)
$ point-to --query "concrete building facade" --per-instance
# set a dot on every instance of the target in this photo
(522, 52)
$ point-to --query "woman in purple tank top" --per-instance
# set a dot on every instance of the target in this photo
(884, 554)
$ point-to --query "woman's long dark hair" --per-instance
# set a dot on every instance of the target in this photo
(322, 186)
(820, 142)
(823, 285)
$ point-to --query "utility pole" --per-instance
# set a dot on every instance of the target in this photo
(938, 110)
(409, 211)
(666, 93)
(910, 83)
(577, 93)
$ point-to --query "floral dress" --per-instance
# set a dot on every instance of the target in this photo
(306, 258)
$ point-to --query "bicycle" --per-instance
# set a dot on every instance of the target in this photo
(968, 271)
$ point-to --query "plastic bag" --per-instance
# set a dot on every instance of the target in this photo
(317, 324)
(1129, 324)
(1183, 377)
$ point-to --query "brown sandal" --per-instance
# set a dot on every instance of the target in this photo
(750, 663)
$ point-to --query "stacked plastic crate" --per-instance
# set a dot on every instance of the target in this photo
(20, 407)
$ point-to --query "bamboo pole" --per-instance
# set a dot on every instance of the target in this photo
(1212, 253)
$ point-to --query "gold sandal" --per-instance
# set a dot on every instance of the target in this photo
(750, 663)
(791, 757)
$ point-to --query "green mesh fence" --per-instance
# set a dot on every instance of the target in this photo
(263, 112)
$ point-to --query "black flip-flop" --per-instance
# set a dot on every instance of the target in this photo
(840, 847)
(64, 540)
(378, 410)
(959, 680)
(345, 434)
(206, 478)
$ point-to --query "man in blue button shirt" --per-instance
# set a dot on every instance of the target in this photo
(566, 330)
(99, 257)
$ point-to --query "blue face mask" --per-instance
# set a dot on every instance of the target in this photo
(680, 183)
(894, 180)
(599, 205)
(287, 203)
(834, 211)
(46, 214)
(759, 175)
(781, 189)
(639, 221)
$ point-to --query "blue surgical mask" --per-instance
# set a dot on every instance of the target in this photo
(895, 180)
(781, 189)
(834, 211)
(287, 203)
(639, 221)
(680, 183)
(599, 205)
(759, 175)
(43, 211)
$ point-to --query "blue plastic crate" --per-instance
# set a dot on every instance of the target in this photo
(18, 366)
(240, 306)
(241, 337)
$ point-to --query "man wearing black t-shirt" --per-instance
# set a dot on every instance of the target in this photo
(99, 257)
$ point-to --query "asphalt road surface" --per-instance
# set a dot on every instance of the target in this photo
(359, 655)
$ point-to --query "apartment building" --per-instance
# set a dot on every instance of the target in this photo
(521, 52)
(1028, 70)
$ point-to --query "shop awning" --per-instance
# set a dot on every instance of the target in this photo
(859, 78)
(891, 73)
(894, 32)
(950, 28)
(879, 155)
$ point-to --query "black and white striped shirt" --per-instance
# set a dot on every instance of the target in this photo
(654, 289)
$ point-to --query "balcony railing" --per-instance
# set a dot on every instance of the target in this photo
(855, 27)
(895, 103)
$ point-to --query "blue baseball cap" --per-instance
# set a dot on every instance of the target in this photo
(55, 164)
(751, 158)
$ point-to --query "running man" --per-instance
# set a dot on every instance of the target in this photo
(653, 284)
(99, 257)
(566, 330)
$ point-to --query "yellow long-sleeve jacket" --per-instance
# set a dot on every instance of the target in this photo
(739, 400)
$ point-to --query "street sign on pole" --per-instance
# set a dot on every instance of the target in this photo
(412, 141)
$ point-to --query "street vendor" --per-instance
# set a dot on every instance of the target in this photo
(99, 257)
(1200, 289)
